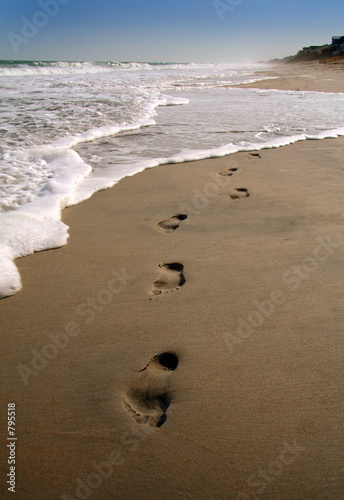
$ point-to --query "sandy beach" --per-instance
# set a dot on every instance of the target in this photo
(311, 76)
(187, 342)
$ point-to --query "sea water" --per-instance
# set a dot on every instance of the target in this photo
(68, 130)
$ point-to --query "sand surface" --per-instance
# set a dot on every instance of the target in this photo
(195, 357)
(313, 77)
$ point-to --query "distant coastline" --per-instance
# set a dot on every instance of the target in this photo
(333, 52)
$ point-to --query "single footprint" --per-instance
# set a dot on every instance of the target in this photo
(228, 172)
(239, 193)
(255, 155)
(171, 223)
(171, 278)
(148, 398)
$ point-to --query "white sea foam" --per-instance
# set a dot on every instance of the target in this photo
(119, 120)
(58, 68)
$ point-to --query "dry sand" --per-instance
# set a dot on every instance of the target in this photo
(310, 76)
(248, 394)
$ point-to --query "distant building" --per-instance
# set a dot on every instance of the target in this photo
(338, 43)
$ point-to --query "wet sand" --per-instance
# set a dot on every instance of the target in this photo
(188, 341)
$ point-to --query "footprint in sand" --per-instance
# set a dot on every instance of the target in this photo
(228, 172)
(148, 398)
(255, 155)
(172, 223)
(239, 193)
(171, 278)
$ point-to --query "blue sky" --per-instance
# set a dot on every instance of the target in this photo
(165, 30)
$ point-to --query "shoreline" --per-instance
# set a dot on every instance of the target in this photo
(311, 77)
(12, 284)
(250, 306)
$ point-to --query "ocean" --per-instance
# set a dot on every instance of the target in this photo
(69, 129)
